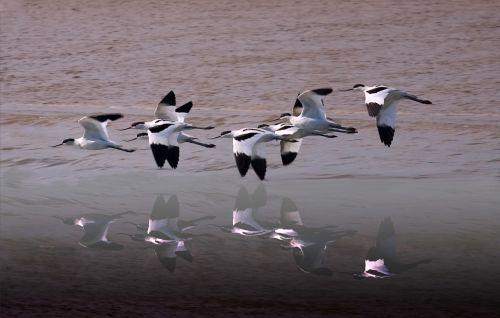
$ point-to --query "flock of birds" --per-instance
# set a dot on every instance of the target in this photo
(308, 118)
(171, 237)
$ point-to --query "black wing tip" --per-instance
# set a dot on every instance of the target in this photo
(386, 134)
(104, 117)
(288, 157)
(259, 165)
(297, 103)
(169, 99)
(173, 156)
(323, 91)
(160, 153)
(184, 108)
(242, 162)
(376, 89)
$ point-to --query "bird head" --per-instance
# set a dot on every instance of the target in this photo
(67, 141)
(356, 87)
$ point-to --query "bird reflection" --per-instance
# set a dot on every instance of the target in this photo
(245, 208)
(382, 260)
(308, 244)
(167, 232)
(96, 228)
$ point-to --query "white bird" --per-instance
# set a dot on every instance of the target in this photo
(95, 135)
(289, 150)
(163, 138)
(312, 116)
(245, 207)
(181, 138)
(248, 148)
(167, 111)
(382, 260)
(96, 228)
(381, 102)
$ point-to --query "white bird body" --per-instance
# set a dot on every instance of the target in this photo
(248, 148)
(95, 135)
(312, 117)
(163, 140)
(381, 102)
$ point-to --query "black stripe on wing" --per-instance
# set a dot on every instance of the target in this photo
(158, 128)
(244, 226)
(160, 153)
(376, 89)
(285, 127)
(386, 134)
(259, 165)
(245, 136)
(323, 91)
(105, 117)
(184, 108)
(242, 162)
(373, 109)
(173, 156)
(169, 99)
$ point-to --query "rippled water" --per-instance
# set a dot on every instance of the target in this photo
(242, 63)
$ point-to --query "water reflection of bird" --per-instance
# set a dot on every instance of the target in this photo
(167, 232)
(244, 222)
(382, 260)
(308, 244)
(96, 228)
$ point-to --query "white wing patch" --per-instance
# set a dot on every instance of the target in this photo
(94, 129)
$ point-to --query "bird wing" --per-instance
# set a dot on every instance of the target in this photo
(166, 107)
(95, 126)
(166, 255)
(297, 108)
(376, 268)
(244, 219)
(94, 233)
(386, 240)
(310, 259)
(289, 150)
(160, 139)
(289, 215)
(243, 145)
(312, 103)
(386, 123)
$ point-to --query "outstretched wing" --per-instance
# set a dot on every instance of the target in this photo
(167, 110)
(162, 137)
(289, 150)
(312, 102)
(386, 123)
(95, 126)
(243, 144)
(290, 215)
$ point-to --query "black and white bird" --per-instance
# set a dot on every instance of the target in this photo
(382, 260)
(95, 134)
(308, 245)
(181, 138)
(244, 221)
(381, 102)
(290, 149)
(167, 232)
(248, 148)
(96, 228)
(163, 140)
(167, 111)
(312, 115)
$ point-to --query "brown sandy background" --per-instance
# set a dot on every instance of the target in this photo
(242, 62)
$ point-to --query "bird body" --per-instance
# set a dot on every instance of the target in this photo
(95, 136)
(381, 102)
(248, 148)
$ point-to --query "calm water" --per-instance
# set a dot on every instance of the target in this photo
(242, 63)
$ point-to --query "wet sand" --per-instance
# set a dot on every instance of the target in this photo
(242, 63)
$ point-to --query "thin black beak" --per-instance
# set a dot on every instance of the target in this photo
(57, 145)
(131, 139)
(125, 128)
(345, 90)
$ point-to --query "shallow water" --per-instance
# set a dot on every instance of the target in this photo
(242, 63)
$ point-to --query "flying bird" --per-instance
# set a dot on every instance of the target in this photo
(248, 148)
(95, 134)
(381, 102)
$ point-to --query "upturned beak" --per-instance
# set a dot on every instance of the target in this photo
(57, 145)
(131, 139)
(125, 128)
(215, 137)
(345, 90)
